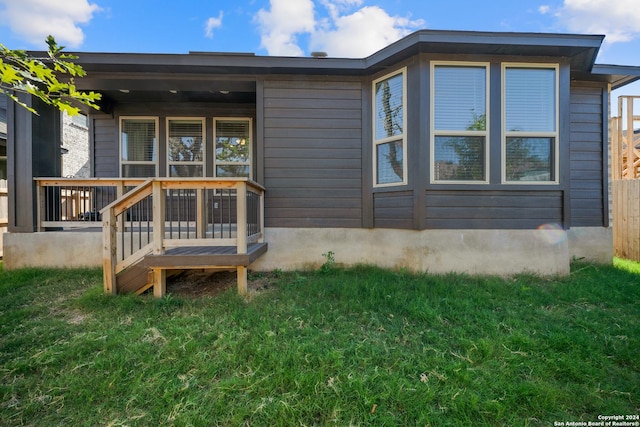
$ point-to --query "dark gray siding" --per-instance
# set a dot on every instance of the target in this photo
(393, 209)
(312, 153)
(493, 209)
(587, 206)
(105, 147)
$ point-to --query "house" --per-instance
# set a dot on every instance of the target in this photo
(479, 152)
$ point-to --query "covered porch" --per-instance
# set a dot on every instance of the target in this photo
(159, 224)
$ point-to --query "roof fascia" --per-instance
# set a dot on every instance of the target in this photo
(617, 75)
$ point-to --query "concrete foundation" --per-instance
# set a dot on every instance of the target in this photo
(502, 252)
(55, 249)
(591, 244)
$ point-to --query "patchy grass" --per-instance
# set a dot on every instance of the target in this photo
(361, 346)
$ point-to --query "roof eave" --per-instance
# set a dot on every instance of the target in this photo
(617, 75)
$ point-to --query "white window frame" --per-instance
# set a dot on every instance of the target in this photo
(217, 163)
(402, 137)
(433, 133)
(555, 134)
(203, 162)
(122, 162)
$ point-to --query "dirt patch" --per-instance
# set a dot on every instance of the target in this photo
(198, 283)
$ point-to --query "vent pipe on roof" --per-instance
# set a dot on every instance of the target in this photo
(319, 54)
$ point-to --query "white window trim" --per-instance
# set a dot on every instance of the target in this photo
(217, 163)
(122, 162)
(204, 146)
(433, 132)
(403, 137)
(506, 133)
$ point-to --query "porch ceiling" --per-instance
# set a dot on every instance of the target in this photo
(123, 88)
(151, 96)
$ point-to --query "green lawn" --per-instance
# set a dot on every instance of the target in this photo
(361, 346)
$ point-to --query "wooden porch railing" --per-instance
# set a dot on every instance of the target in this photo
(76, 203)
(165, 213)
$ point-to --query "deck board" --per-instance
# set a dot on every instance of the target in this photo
(205, 257)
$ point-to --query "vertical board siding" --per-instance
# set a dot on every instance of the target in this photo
(313, 153)
(493, 209)
(105, 147)
(393, 210)
(587, 205)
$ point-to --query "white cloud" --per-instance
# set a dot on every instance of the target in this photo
(544, 9)
(34, 20)
(362, 33)
(281, 25)
(343, 32)
(619, 20)
(213, 23)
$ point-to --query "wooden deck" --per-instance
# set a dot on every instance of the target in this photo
(196, 257)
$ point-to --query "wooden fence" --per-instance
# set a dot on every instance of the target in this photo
(626, 218)
(4, 212)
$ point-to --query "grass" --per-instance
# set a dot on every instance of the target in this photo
(359, 346)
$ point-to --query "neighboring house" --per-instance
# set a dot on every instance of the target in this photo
(75, 146)
(445, 151)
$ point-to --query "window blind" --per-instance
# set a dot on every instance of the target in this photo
(232, 141)
(185, 140)
(138, 140)
(530, 98)
(460, 98)
(389, 111)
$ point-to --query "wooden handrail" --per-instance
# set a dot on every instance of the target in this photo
(112, 219)
(123, 203)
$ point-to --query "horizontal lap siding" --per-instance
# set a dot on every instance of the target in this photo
(393, 210)
(313, 153)
(492, 209)
(105, 147)
(587, 207)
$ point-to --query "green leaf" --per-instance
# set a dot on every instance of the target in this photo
(9, 75)
(22, 104)
(22, 73)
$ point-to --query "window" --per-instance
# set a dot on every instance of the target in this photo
(232, 147)
(80, 120)
(185, 147)
(138, 147)
(530, 120)
(459, 117)
(389, 130)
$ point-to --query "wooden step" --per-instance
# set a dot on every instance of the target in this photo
(133, 278)
(205, 257)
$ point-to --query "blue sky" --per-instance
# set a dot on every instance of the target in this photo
(342, 28)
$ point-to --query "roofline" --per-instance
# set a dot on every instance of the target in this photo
(618, 75)
(419, 41)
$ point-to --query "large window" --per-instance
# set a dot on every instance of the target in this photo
(232, 140)
(138, 147)
(530, 123)
(389, 130)
(459, 117)
(185, 147)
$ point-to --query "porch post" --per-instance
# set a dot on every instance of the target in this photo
(158, 217)
(241, 206)
(109, 252)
